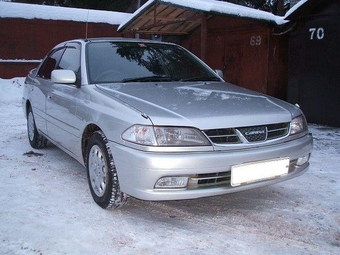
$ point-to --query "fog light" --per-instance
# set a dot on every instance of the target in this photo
(171, 182)
(302, 160)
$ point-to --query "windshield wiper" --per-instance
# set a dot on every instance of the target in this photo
(202, 78)
(148, 79)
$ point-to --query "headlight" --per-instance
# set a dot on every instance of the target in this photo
(140, 134)
(298, 125)
(164, 136)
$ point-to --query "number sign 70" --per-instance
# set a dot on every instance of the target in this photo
(317, 33)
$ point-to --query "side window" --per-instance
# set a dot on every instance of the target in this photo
(49, 64)
(70, 59)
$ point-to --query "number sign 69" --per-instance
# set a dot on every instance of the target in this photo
(255, 40)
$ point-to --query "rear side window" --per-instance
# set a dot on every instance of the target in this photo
(50, 63)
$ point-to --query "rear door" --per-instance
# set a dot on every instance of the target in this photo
(42, 87)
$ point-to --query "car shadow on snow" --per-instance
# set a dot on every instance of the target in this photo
(257, 200)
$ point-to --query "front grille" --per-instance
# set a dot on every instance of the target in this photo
(277, 130)
(254, 134)
(250, 134)
(221, 136)
(213, 179)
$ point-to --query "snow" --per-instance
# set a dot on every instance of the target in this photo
(20, 60)
(33, 11)
(46, 206)
(225, 8)
(210, 6)
(295, 7)
(9, 90)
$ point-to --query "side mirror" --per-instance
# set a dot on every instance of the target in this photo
(63, 76)
(219, 73)
(34, 71)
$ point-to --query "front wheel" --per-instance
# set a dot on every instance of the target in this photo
(102, 174)
(36, 140)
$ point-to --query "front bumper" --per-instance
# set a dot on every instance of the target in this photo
(138, 171)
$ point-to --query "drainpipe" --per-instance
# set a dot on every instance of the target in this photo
(204, 29)
(138, 6)
(280, 8)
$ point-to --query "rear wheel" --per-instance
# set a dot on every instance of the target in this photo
(36, 140)
(102, 174)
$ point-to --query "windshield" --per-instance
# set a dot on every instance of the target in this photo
(143, 62)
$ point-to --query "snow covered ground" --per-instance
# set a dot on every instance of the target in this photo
(46, 206)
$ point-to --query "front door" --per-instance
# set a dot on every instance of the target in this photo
(63, 125)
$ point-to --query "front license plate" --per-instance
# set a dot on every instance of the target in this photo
(258, 171)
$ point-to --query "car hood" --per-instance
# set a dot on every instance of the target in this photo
(202, 105)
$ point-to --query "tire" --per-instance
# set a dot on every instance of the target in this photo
(101, 173)
(36, 140)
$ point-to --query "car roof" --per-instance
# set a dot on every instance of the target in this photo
(113, 39)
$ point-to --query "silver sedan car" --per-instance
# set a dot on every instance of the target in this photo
(152, 121)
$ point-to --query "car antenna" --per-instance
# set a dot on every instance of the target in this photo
(87, 23)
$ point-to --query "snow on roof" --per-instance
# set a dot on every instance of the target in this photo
(33, 11)
(210, 6)
(295, 7)
(224, 8)
(302, 7)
